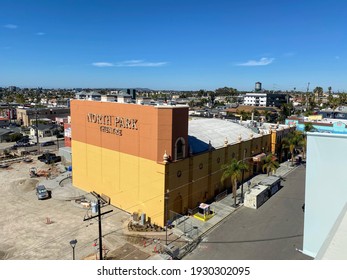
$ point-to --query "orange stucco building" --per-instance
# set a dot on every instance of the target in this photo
(138, 154)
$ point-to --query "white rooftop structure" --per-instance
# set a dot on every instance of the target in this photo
(204, 132)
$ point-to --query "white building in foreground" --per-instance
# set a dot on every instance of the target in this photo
(325, 225)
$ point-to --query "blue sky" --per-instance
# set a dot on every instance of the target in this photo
(174, 44)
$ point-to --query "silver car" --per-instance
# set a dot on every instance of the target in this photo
(42, 192)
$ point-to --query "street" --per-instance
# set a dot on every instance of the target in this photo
(272, 232)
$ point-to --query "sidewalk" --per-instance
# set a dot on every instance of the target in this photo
(190, 230)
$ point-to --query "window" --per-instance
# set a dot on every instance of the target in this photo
(180, 148)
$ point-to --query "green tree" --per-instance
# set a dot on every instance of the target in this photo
(234, 171)
(309, 127)
(270, 164)
(15, 137)
(329, 90)
(292, 141)
(201, 93)
(245, 115)
(318, 91)
(342, 98)
(225, 91)
(267, 115)
(20, 98)
(303, 145)
(286, 111)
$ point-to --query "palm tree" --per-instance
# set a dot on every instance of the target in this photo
(303, 144)
(309, 127)
(292, 142)
(329, 90)
(234, 171)
(270, 164)
(303, 140)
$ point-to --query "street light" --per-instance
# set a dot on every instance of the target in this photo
(73, 245)
(37, 124)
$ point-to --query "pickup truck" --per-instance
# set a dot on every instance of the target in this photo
(45, 156)
(52, 159)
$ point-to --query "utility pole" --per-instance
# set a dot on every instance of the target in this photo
(37, 123)
(99, 219)
(307, 90)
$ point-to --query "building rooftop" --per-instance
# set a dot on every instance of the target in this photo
(202, 131)
(335, 245)
(4, 131)
(270, 180)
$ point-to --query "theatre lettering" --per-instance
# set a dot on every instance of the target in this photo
(112, 124)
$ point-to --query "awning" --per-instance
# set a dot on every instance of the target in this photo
(258, 158)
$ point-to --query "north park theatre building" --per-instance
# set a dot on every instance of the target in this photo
(153, 159)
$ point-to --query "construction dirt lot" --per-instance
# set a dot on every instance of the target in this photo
(33, 229)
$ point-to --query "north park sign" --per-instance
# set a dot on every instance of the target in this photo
(112, 124)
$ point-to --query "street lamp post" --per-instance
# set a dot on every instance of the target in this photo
(243, 176)
(73, 245)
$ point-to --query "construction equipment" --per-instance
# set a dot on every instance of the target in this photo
(38, 173)
(33, 172)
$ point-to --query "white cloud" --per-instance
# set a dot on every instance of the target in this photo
(102, 64)
(139, 63)
(40, 33)
(130, 63)
(262, 62)
(11, 26)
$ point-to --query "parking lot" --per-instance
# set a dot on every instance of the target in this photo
(33, 229)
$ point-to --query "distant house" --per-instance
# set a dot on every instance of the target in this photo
(44, 130)
(124, 98)
(5, 134)
(93, 95)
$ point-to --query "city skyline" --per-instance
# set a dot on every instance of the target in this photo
(173, 45)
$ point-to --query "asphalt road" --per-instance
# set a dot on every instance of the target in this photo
(272, 232)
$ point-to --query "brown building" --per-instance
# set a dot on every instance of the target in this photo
(139, 155)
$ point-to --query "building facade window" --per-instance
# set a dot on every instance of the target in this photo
(180, 147)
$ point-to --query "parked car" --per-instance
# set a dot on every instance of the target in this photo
(4, 165)
(52, 159)
(24, 142)
(48, 143)
(19, 144)
(45, 156)
(42, 192)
